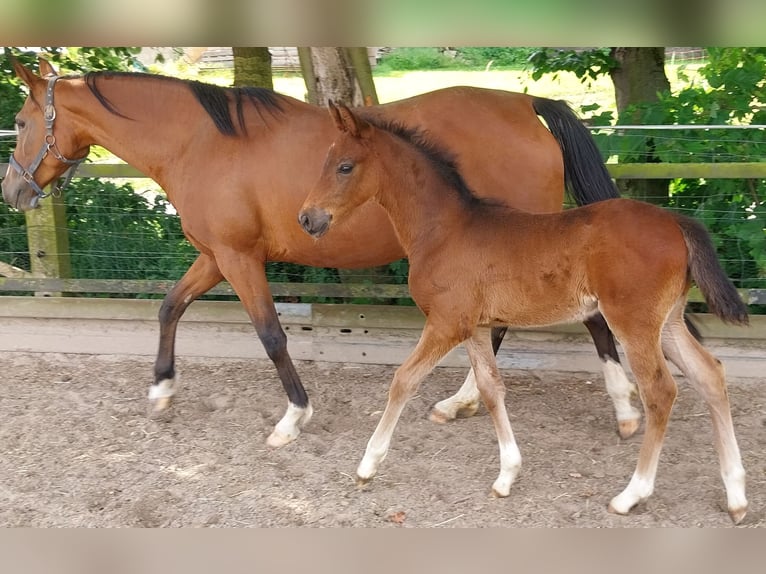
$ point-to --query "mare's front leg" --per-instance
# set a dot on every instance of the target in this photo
(434, 343)
(465, 402)
(247, 276)
(202, 276)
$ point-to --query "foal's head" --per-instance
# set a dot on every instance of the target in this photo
(348, 179)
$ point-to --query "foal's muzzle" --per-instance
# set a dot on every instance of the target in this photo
(315, 221)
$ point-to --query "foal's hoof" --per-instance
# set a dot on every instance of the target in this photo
(440, 417)
(619, 508)
(362, 482)
(501, 493)
(737, 514)
(628, 428)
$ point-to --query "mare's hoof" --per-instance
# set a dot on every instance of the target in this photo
(277, 439)
(161, 404)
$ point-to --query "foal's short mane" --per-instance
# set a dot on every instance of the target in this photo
(441, 159)
(214, 99)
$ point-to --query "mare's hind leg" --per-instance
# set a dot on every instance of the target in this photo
(618, 385)
(658, 393)
(434, 343)
(492, 392)
(465, 402)
(706, 375)
(247, 276)
(202, 276)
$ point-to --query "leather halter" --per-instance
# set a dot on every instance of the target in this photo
(49, 145)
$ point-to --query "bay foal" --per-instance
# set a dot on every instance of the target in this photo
(475, 263)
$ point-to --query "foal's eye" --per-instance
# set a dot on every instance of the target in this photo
(20, 124)
(345, 168)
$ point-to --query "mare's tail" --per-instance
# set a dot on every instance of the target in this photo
(717, 289)
(585, 175)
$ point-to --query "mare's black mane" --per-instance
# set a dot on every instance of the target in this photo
(441, 159)
(214, 99)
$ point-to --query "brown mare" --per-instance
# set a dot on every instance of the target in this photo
(476, 262)
(226, 157)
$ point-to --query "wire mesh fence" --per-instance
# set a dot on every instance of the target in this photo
(128, 231)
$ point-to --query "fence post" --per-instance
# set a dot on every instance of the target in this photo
(48, 239)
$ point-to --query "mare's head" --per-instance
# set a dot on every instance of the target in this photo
(349, 177)
(46, 146)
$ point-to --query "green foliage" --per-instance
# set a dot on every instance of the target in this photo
(733, 92)
(733, 210)
(115, 233)
(585, 64)
(406, 59)
(469, 58)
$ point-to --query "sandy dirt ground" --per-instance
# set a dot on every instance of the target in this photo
(78, 450)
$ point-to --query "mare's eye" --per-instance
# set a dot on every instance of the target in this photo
(345, 168)
(20, 124)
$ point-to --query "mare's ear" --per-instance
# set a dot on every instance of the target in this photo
(25, 74)
(354, 125)
(46, 69)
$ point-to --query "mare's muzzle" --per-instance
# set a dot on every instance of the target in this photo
(315, 221)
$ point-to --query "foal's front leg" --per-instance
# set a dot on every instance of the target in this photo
(434, 343)
(465, 402)
(492, 391)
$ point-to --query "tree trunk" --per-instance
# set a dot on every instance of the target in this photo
(252, 67)
(337, 74)
(333, 78)
(363, 71)
(638, 78)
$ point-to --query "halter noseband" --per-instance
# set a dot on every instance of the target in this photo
(49, 144)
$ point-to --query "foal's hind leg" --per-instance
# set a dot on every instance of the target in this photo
(618, 385)
(202, 276)
(492, 392)
(247, 276)
(434, 343)
(465, 402)
(706, 374)
(658, 393)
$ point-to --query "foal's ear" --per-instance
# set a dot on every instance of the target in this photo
(353, 125)
(345, 120)
(46, 69)
(335, 115)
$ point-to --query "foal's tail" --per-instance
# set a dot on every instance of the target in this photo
(585, 175)
(717, 289)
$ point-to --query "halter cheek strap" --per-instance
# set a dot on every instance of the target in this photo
(49, 145)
